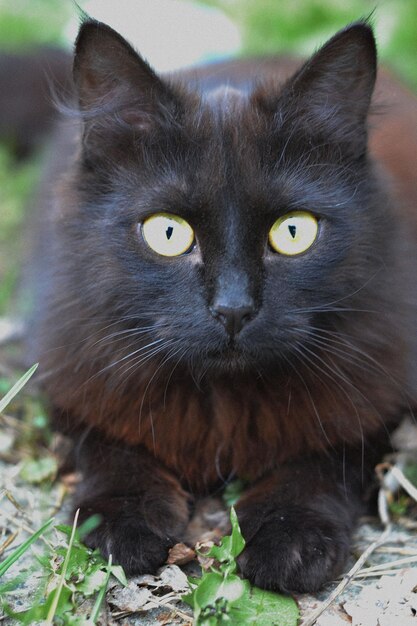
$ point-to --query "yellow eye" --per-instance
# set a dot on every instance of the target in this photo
(293, 233)
(167, 234)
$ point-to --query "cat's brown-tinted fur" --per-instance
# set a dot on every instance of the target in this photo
(301, 402)
(233, 425)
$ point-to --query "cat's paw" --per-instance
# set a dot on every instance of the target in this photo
(296, 549)
(139, 546)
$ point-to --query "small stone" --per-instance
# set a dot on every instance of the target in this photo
(172, 576)
(131, 598)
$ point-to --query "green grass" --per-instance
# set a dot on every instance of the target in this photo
(23, 22)
(4, 402)
(71, 575)
(16, 183)
(20, 551)
(300, 26)
(219, 597)
(81, 573)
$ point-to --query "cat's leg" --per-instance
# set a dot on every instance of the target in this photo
(298, 520)
(142, 507)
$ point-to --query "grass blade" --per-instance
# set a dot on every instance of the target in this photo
(58, 591)
(4, 566)
(100, 597)
(17, 387)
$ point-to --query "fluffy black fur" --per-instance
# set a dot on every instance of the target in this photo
(164, 399)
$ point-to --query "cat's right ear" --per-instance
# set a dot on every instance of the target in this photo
(330, 95)
(114, 84)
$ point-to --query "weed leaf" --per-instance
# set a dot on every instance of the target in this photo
(12, 558)
(100, 597)
(264, 608)
(230, 548)
(36, 471)
(233, 491)
(221, 598)
(17, 387)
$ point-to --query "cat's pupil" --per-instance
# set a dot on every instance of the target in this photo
(293, 230)
(169, 232)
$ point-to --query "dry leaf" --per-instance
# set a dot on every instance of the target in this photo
(333, 617)
(180, 554)
(202, 547)
(390, 602)
(173, 577)
(130, 599)
(170, 577)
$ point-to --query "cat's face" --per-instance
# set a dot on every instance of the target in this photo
(226, 224)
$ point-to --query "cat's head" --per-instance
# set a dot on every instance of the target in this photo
(220, 224)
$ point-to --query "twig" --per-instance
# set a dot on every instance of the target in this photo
(15, 503)
(406, 523)
(383, 499)
(153, 603)
(395, 550)
(20, 525)
(172, 608)
(62, 492)
(389, 564)
(184, 616)
(382, 572)
(404, 482)
(8, 541)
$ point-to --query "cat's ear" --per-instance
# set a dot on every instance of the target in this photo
(332, 91)
(112, 80)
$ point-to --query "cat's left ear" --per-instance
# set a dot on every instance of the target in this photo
(113, 82)
(331, 93)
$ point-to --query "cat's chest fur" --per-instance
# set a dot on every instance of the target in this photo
(212, 435)
(211, 431)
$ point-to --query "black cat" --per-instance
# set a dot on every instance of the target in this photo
(228, 289)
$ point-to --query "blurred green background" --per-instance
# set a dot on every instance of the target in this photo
(267, 26)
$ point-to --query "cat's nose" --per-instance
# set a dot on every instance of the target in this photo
(233, 318)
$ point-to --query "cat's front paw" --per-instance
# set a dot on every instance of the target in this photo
(139, 546)
(295, 549)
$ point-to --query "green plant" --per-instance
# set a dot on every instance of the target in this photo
(5, 401)
(221, 598)
(25, 22)
(72, 572)
(16, 554)
(17, 181)
(271, 27)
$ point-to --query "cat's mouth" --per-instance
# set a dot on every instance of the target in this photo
(228, 358)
